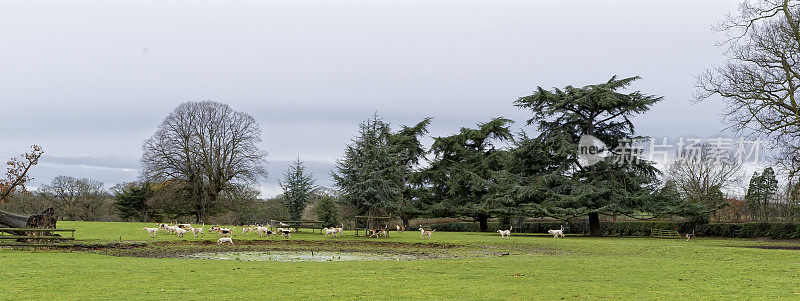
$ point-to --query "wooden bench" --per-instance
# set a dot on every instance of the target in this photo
(659, 233)
(44, 234)
(313, 225)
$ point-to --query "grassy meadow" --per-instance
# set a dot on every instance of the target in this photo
(476, 266)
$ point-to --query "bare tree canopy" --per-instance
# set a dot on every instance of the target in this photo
(702, 176)
(73, 198)
(206, 146)
(760, 80)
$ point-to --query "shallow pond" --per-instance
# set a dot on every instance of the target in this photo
(295, 256)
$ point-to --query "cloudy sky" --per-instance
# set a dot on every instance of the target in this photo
(90, 80)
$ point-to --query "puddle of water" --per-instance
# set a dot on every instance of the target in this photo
(293, 256)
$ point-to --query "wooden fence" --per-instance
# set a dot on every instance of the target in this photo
(33, 234)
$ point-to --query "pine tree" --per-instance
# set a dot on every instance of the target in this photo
(562, 185)
(461, 179)
(297, 188)
(369, 177)
(770, 189)
(753, 196)
(407, 149)
(760, 193)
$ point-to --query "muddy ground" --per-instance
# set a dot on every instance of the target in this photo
(410, 251)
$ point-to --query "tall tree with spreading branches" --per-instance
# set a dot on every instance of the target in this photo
(205, 147)
(408, 150)
(571, 187)
(760, 80)
(460, 180)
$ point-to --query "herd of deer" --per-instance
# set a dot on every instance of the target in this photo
(225, 234)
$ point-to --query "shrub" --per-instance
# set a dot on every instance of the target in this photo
(783, 231)
(721, 230)
(327, 212)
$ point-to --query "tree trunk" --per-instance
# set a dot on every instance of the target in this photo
(594, 225)
(45, 220)
(483, 220)
(405, 222)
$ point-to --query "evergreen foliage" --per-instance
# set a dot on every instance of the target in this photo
(461, 180)
(297, 185)
(761, 192)
(130, 200)
(559, 184)
(327, 211)
(408, 151)
(369, 176)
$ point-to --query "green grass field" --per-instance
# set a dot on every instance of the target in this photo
(537, 267)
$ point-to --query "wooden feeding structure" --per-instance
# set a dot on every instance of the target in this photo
(306, 224)
(372, 222)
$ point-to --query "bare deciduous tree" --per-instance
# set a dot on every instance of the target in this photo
(75, 199)
(207, 146)
(701, 176)
(760, 80)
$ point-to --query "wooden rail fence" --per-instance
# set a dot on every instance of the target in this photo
(33, 234)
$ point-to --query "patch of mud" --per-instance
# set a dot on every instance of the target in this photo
(298, 256)
(254, 250)
(268, 250)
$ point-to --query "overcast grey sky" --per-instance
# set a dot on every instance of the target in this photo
(89, 81)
